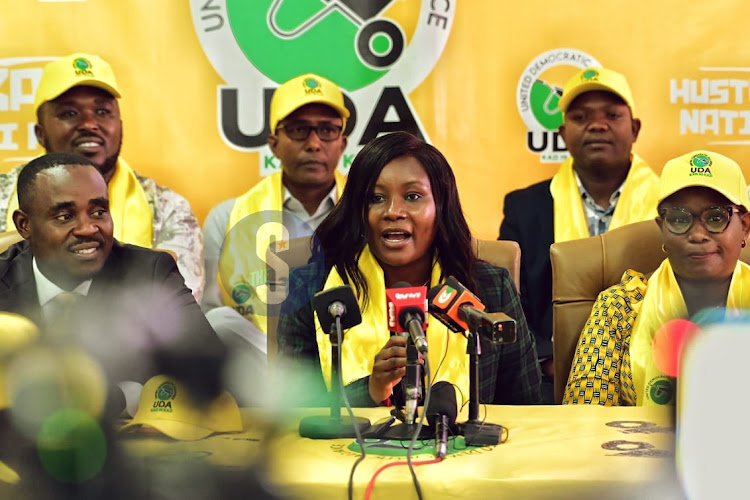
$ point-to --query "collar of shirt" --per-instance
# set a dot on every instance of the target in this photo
(588, 199)
(598, 217)
(46, 290)
(293, 206)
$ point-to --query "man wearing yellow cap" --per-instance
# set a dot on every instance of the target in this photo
(307, 119)
(601, 186)
(78, 112)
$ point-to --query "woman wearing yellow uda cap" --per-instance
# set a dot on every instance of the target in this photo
(703, 216)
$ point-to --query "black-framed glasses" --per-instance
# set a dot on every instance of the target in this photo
(714, 219)
(299, 132)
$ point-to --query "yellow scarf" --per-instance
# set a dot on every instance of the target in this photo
(662, 302)
(248, 293)
(132, 217)
(636, 203)
(447, 353)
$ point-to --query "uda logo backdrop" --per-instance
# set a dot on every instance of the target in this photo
(377, 51)
(538, 92)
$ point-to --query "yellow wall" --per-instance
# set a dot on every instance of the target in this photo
(467, 103)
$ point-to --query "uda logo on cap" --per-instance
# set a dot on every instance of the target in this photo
(312, 86)
(82, 67)
(164, 395)
(700, 160)
(166, 391)
(699, 165)
(590, 75)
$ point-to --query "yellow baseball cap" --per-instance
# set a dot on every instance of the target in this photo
(63, 74)
(707, 169)
(305, 89)
(590, 79)
(167, 406)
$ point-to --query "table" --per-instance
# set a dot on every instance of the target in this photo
(576, 452)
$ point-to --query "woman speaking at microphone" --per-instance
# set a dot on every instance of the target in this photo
(704, 221)
(400, 220)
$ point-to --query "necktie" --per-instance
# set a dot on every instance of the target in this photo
(60, 315)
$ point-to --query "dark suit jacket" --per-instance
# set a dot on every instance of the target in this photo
(529, 220)
(139, 318)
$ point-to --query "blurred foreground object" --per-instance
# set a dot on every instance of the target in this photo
(712, 414)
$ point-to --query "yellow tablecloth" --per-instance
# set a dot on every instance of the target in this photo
(551, 452)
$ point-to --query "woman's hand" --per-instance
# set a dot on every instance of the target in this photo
(388, 369)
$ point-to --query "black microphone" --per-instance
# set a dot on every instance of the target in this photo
(338, 309)
(335, 303)
(460, 310)
(441, 414)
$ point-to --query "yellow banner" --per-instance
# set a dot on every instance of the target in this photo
(477, 78)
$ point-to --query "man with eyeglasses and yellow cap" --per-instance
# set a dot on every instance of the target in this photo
(307, 119)
(77, 112)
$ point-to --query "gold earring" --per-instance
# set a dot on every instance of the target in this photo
(663, 249)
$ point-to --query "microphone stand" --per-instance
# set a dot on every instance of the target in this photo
(475, 431)
(330, 427)
(406, 430)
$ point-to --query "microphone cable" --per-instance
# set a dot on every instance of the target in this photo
(371, 484)
(360, 440)
(413, 440)
(419, 429)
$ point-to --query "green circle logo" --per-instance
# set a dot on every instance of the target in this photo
(311, 83)
(241, 293)
(166, 391)
(700, 160)
(347, 41)
(544, 99)
(82, 64)
(589, 75)
(661, 391)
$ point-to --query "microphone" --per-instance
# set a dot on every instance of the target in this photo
(407, 312)
(460, 310)
(441, 414)
(338, 309)
(338, 302)
(407, 307)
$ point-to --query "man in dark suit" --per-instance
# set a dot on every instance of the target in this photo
(602, 185)
(132, 312)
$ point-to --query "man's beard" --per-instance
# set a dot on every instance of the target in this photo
(109, 163)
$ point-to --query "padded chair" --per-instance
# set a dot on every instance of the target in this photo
(499, 253)
(7, 238)
(581, 269)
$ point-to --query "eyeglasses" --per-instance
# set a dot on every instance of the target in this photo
(714, 219)
(298, 132)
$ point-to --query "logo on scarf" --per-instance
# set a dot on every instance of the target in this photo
(377, 51)
(660, 390)
(538, 92)
(255, 260)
